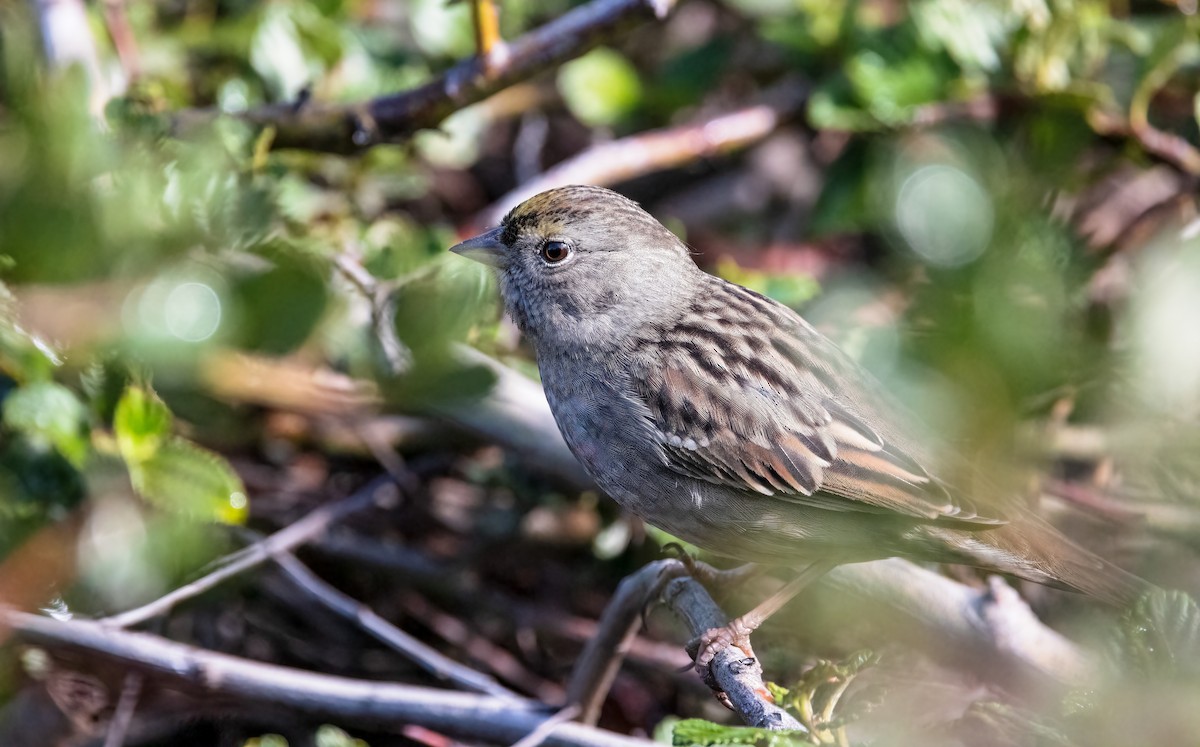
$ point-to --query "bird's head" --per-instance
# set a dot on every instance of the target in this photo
(584, 265)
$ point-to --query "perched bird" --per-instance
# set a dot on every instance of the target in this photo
(724, 418)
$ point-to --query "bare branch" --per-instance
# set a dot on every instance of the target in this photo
(342, 129)
(426, 657)
(601, 658)
(362, 703)
(739, 677)
(118, 728)
(656, 150)
(376, 493)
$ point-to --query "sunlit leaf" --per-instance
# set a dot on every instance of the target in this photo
(700, 733)
(141, 423)
(186, 479)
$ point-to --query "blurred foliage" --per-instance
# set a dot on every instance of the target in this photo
(947, 219)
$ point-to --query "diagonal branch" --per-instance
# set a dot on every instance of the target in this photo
(343, 129)
(288, 538)
(365, 704)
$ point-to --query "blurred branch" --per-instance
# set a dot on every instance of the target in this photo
(657, 150)
(457, 632)
(381, 297)
(993, 628)
(392, 118)
(362, 703)
(1164, 146)
(598, 663)
(292, 536)
(118, 728)
(116, 20)
(427, 658)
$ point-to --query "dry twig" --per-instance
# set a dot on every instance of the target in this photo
(342, 129)
(657, 150)
(365, 704)
(305, 530)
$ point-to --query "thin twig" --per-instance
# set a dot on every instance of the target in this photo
(363, 703)
(424, 656)
(305, 530)
(502, 663)
(657, 150)
(539, 735)
(601, 658)
(395, 117)
(116, 20)
(118, 728)
(739, 677)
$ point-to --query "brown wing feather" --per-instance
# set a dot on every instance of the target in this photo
(770, 411)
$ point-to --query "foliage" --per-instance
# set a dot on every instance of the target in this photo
(989, 204)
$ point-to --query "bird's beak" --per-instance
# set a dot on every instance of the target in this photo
(486, 248)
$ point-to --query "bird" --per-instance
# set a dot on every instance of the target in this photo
(725, 419)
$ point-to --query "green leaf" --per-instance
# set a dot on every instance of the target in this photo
(141, 422)
(791, 289)
(331, 736)
(49, 414)
(695, 732)
(600, 88)
(844, 202)
(1160, 635)
(191, 481)
(279, 302)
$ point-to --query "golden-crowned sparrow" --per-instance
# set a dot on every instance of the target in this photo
(725, 419)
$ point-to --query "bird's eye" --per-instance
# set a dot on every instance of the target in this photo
(555, 251)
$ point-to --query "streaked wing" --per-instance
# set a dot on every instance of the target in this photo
(758, 412)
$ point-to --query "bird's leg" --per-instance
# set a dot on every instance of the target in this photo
(737, 632)
(716, 579)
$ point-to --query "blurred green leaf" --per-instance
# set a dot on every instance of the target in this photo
(49, 414)
(332, 736)
(600, 87)
(141, 423)
(844, 205)
(1159, 637)
(787, 288)
(696, 732)
(35, 481)
(278, 299)
(186, 479)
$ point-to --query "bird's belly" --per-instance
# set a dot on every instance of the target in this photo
(610, 437)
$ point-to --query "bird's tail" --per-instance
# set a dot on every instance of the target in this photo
(1034, 550)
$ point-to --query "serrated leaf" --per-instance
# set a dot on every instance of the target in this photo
(1160, 635)
(141, 422)
(49, 414)
(184, 478)
(695, 732)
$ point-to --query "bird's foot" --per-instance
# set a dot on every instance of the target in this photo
(714, 579)
(705, 648)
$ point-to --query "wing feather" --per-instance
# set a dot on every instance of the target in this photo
(783, 413)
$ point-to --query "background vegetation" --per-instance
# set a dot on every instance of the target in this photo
(226, 301)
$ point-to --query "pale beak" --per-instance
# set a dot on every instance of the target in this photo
(486, 248)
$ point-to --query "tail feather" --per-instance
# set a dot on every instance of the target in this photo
(1034, 550)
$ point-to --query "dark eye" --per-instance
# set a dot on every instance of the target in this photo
(555, 251)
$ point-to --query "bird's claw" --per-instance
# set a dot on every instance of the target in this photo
(705, 647)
